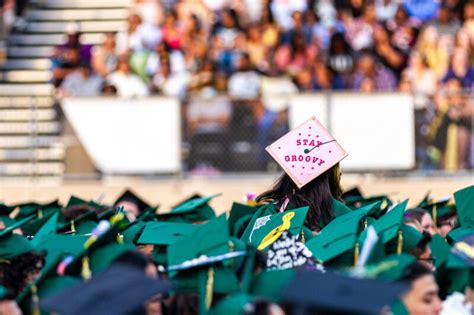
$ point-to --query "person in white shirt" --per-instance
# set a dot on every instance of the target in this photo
(128, 85)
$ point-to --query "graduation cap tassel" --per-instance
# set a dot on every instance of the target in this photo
(35, 301)
(73, 227)
(435, 215)
(365, 224)
(40, 214)
(86, 272)
(400, 242)
(356, 254)
(209, 288)
(231, 250)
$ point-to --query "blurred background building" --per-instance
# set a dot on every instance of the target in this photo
(200, 87)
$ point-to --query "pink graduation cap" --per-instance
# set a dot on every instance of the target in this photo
(306, 152)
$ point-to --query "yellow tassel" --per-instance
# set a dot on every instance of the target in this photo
(435, 215)
(231, 250)
(119, 238)
(40, 214)
(303, 240)
(209, 287)
(356, 254)
(365, 223)
(400, 242)
(86, 272)
(35, 301)
(73, 227)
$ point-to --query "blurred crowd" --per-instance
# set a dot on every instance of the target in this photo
(244, 50)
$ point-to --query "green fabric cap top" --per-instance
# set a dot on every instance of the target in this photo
(392, 268)
(388, 225)
(165, 233)
(194, 210)
(464, 199)
(233, 305)
(337, 238)
(237, 212)
(14, 245)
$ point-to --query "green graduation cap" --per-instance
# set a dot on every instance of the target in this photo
(132, 232)
(339, 208)
(440, 209)
(458, 233)
(464, 199)
(14, 245)
(268, 229)
(410, 238)
(16, 225)
(237, 212)
(338, 237)
(391, 268)
(440, 250)
(194, 210)
(83, 224)
(27, 209)
(263, 211)
(165, 233)
(359, 201)
(388, 226)
(42, 215)
(48, 228)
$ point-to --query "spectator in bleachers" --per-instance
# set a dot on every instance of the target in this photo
(126, 83)
(429, 47)
(170, 83)
(150, 11)
(421, 80)
(82, 82)
(245, 83)
(282, 11)
(295, 56)
(402, 30)
(137, 37)
(340, 60)
(460, 69)
(163, 52)
(74, 41)
(385, 9)
(370, 75)
(390, 56)
(173, 33)
(63, 62)
(104, 57)
(360, 31)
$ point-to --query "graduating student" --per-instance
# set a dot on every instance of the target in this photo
(310, 157)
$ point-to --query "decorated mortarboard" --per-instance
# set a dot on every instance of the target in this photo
(340, 294)
(130, 196)
(306, 152)
(269, 228)
(194, 210)
(165, 233)
(465, 206)
(103, 294)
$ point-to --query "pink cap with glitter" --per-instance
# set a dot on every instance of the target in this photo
(306, 152)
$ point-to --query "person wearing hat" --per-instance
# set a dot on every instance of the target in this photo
(423, 217)
(310, 157)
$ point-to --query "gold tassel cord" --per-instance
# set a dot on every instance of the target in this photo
(209, 287)
(73, 227)
(86, 272)
(35, 301)
(365, 224)
(400, 242)
(231, 250)
(356, 254)
(435, 215)
(40, 214)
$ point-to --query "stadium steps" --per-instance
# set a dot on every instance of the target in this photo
(31, 144)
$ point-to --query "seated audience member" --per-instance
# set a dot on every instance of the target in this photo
(367, 69)
(63, 62)
(169, 83)
(127, 84)
(104, 56)
(245, 83)
(81, 82)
